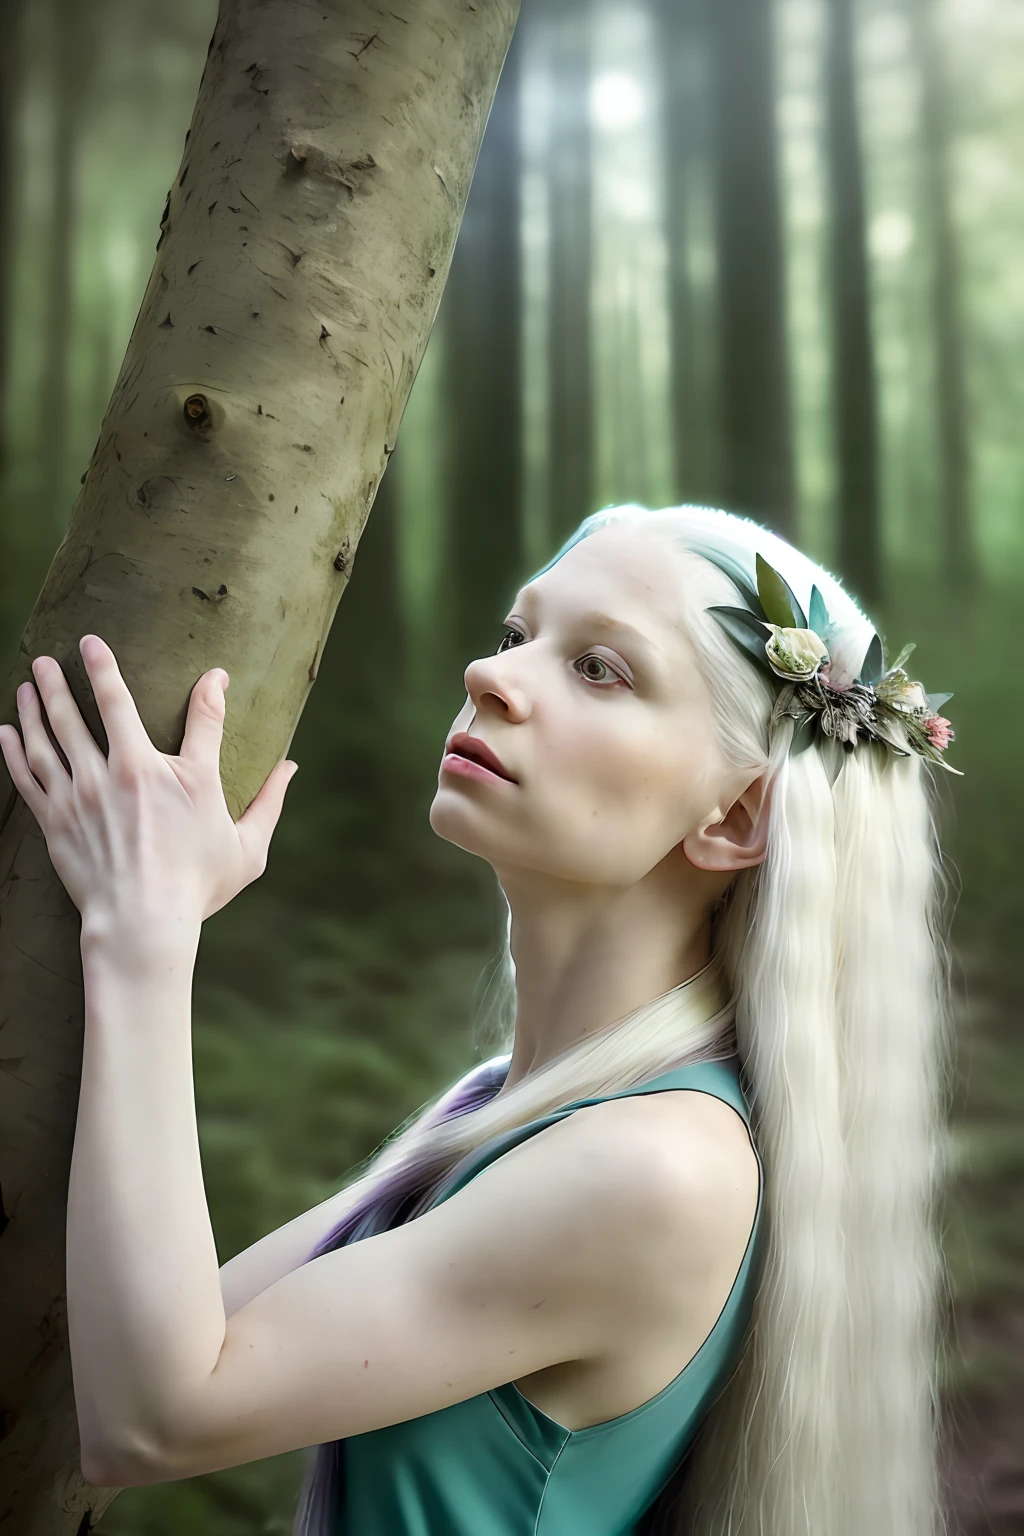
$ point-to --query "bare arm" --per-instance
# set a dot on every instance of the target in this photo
(280, 1252)
(287, 1248)
(539, 1260)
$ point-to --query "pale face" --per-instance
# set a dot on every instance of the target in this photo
(609, 733)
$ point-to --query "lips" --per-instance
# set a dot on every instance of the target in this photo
(464, 745)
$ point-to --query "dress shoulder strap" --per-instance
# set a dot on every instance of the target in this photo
(721, 1079)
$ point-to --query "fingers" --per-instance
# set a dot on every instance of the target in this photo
(17, 763)
(204, 725)
(65, 720)
(127, 737)
(38, 751)
(128, 740)
(256, 827)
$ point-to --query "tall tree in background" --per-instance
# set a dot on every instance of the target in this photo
(73, 41)
(12, 14)
(681, 52)
(570, 442)
(304, 248)
(757, 474)
(854, 402)
(960, 562)
(482, 316)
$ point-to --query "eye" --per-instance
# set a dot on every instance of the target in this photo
(612, 674)
(516, 636)
(509, 632)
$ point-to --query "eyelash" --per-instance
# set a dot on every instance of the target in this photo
(511, 630)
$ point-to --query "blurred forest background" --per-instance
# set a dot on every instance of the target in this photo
(762, 256)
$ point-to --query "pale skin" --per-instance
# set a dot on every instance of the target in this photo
(590, 1262)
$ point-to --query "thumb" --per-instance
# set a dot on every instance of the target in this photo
(256, 827)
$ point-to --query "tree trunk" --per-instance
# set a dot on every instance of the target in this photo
(73, 45)
(570, 450)
(853, 365)
(483, 386)
(757, 462)
(682, 60)
(12, 14)
(960, 562)
(303, 250)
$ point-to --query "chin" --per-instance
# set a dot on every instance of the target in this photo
(452, 819)
(447, 819)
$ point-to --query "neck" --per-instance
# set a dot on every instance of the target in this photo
(586, 961)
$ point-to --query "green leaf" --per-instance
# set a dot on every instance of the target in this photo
(746, 630)
(747, 619)
(901, 658)
(751, 598)
(817, 617)
(871, 667)
(936, 701)
(734, 571)
(777, 600)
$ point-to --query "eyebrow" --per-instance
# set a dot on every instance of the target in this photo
(603, 621)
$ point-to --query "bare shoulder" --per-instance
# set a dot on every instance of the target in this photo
(679, 1128)
(617, 1193)
(683, 1157)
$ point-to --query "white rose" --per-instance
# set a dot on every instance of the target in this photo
(795, 654)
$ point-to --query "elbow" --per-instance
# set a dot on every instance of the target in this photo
(117, 1467)
(98, 1471)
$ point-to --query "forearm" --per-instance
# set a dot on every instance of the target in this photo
(145, 1314)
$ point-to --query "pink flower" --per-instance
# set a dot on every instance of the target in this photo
(825, 677)
(939, 731)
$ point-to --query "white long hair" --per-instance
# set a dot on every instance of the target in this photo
(834, 955)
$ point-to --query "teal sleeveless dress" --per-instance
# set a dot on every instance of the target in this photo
(495, 1465)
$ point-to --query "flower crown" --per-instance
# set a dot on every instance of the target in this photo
(881, 704)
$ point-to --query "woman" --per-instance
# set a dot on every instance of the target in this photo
(576, 1294)
(660, 823)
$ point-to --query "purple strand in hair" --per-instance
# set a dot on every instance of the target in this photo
(393, 1200)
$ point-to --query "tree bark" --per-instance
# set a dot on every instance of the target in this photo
(303, 249)
(854, 408)
(757, 475)
(959, 556)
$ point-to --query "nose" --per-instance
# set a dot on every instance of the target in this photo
(496, 676)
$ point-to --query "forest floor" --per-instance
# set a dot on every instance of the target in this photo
(983, 1441)
(984, 1449)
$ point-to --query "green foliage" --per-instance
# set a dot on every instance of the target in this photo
(776, 597)
(747, 631)
(817, 616)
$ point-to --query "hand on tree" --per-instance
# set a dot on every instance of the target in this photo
(138, 837)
